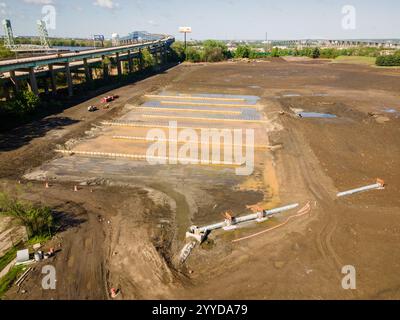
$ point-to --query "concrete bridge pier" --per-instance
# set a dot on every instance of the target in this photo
(33, 82)
(165, 54)
(160, 56)
(105, 67)
(15, 82)
(130, 62)
(141, 63)
(88, 72)
(69, 80)
(53, 83)
(119, 67)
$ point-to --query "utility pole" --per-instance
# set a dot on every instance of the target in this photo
(185, 30)
(185, 41)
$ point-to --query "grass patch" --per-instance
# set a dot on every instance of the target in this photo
(370, 61)
(8, 257)
(7, 281)
(38, 239)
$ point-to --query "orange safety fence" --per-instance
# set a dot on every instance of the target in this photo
(303, 211)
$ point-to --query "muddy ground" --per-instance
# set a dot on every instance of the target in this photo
(125, 226)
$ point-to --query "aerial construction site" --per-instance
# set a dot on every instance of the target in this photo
(128, 219)
(243, 179)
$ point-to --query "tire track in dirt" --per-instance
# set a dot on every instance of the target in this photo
(312, 176)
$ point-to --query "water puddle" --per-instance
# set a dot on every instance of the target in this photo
(320, 94)
(316, 115)
(247, 98)
(291, 95)
(392, 111)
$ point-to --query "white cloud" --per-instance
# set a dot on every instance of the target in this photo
(108, 4)
(42, 2)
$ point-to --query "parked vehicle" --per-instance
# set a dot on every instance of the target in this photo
(109, 98)
(92, 108)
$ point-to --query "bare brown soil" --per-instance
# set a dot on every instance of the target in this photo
(125, 226)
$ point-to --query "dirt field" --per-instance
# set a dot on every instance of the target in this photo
(125, 226)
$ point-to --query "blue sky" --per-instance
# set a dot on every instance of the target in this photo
(216, 19)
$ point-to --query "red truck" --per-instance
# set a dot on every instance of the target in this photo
(109, 98)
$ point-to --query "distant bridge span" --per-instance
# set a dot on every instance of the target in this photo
(325, 43)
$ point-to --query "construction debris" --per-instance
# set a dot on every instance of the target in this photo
(22, 256)
(230, 222)
(303, 211)
(186, 251)
(23, 277)
(379, 185)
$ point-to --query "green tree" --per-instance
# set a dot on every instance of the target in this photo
(215, 51)
(275, 52)
(38, 219)
(316, 53)
(388, 61)
(23, 104)
(177, 51)
(5, 53)
(193, 55)
(148, 59)
(243, 52)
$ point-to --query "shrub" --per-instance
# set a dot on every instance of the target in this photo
(243, 52)
(388, 61)
(275, 52)
(148, 59)
(5, 53)
(23, 104)
(316, 53)
(215, 51)
(37, 219)
(193, 55)
(177, 52)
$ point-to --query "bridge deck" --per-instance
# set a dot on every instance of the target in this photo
(16, 64)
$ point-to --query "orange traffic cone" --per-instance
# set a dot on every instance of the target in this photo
(113, 292)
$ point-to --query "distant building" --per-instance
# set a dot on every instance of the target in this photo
(115, 39)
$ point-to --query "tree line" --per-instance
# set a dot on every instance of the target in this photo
(215, 51)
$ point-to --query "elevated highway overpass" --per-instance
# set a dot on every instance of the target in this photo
(16, 70)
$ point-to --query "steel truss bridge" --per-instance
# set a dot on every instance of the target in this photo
(386, 44)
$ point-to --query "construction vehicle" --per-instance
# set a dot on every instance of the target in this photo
(92, 108)
(109, 98)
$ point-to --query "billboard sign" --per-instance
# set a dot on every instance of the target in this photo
(185, 29)
(98, 37)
